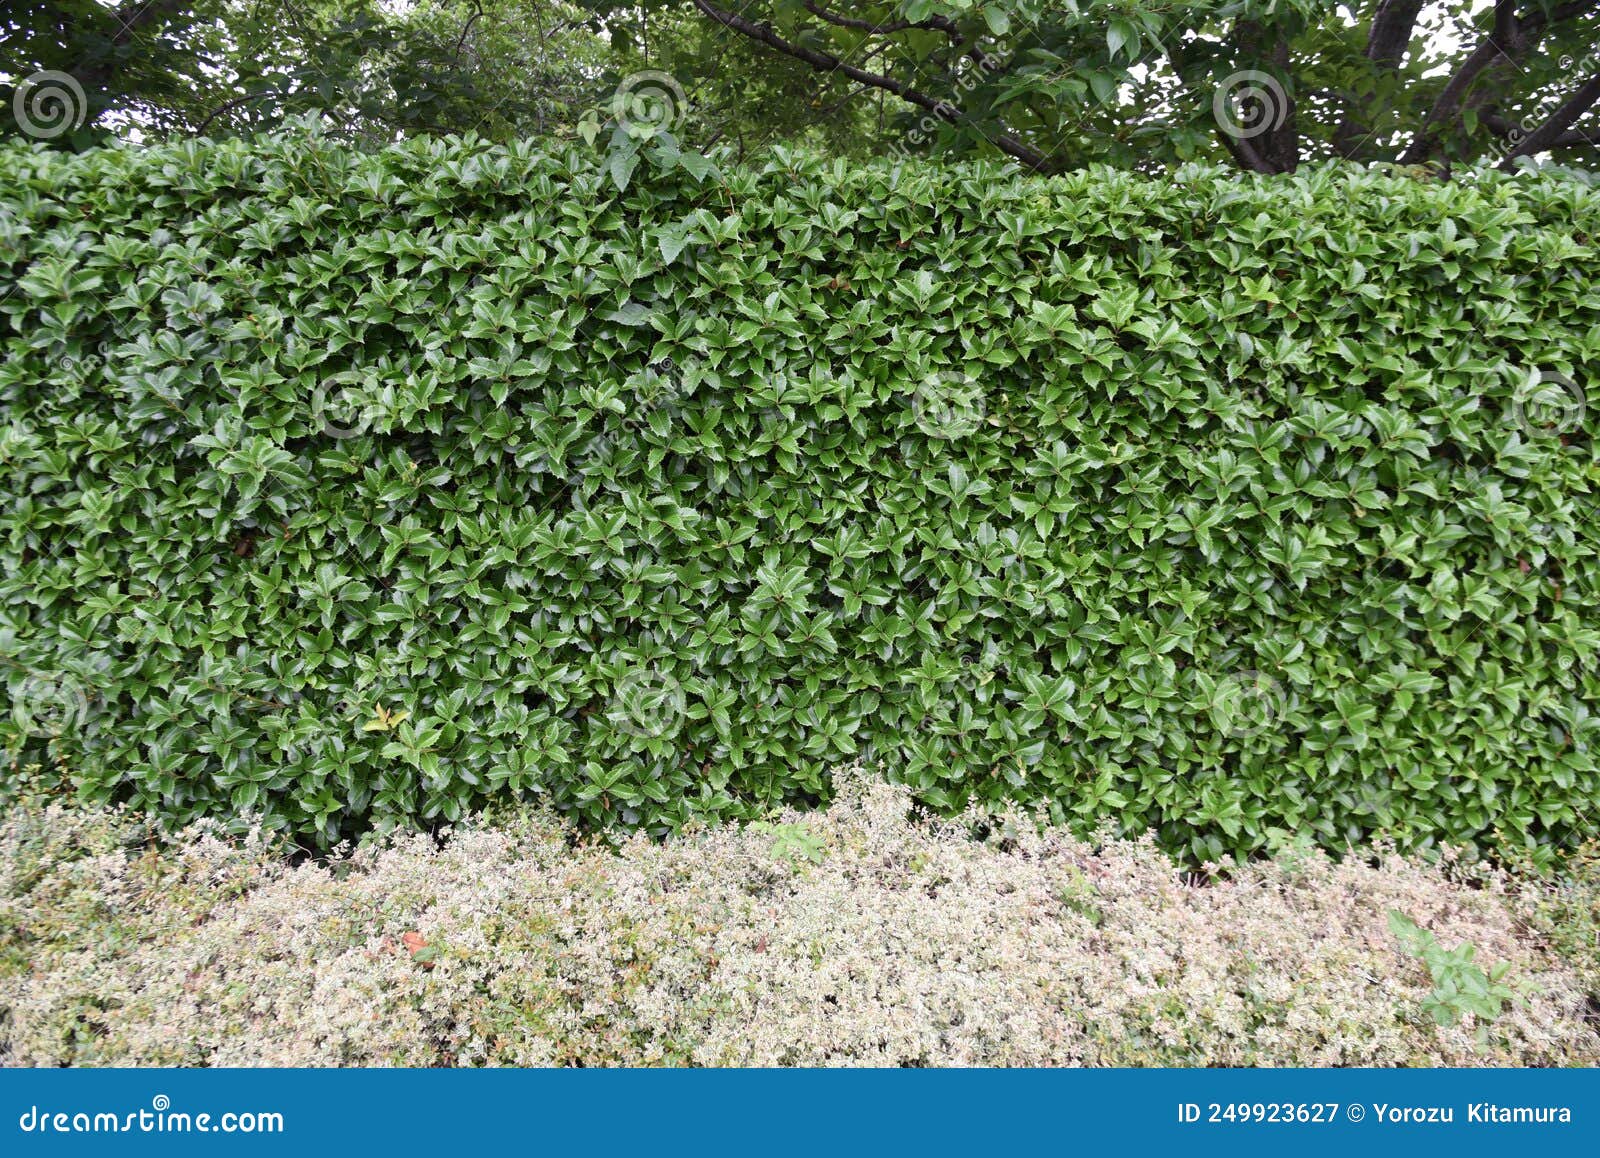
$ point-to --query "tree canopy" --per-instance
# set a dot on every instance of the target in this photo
(1267, 85)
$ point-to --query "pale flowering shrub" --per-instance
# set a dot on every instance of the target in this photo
(910, 942)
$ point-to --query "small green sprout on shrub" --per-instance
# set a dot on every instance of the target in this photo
(1459, 985)
(792, 841)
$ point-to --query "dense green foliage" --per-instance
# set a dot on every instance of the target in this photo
(372, 69)
(363, 488)
(1264, 85)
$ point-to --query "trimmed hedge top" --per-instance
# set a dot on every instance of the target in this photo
(366, 488)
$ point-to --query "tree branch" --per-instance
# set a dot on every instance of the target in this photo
(1390, 35)
(827, 63)
(1553, 129)
(1448, 104)
(1276, 146)
(1243, 152)
(938, 23)
(477, 14)
(1571, 11)
(844, 100)
(1387, 42)
(1504, 42)
(1576, 138)
(933, 23)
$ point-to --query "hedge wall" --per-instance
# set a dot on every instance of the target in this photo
(366, 488)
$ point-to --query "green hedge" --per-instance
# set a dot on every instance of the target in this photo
(367, 488)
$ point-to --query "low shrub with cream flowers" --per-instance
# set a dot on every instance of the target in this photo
(862, 935)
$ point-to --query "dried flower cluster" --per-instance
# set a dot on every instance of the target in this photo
(909, 942)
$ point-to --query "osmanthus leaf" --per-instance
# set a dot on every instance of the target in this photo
(621, 164)
(1122, 33)
(697, 166)
(673, 240)
(1249, 526)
